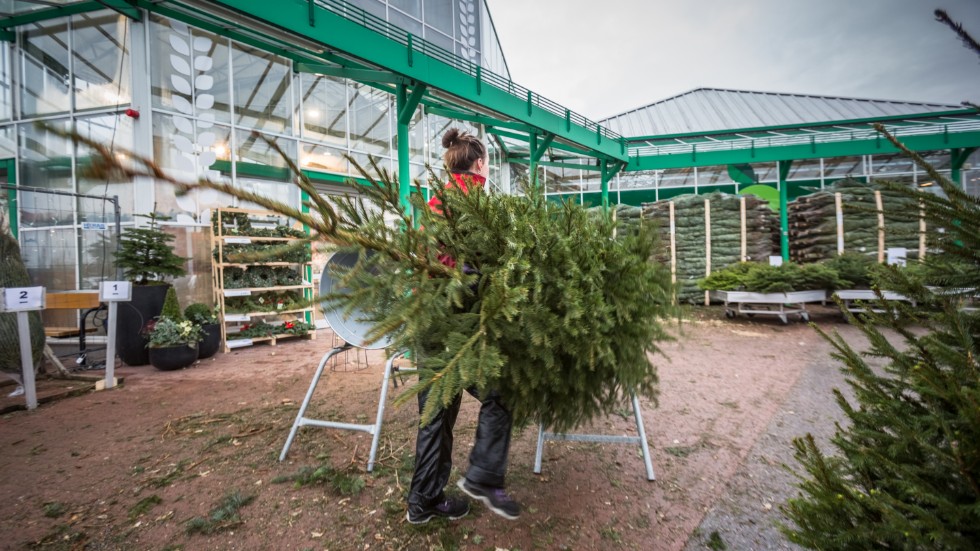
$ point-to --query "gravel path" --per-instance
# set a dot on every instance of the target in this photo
(745, 517)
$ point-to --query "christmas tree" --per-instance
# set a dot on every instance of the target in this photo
(146, 254)
(541, 302)
(905, 472)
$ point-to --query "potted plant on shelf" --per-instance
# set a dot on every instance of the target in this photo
(146, 258)
(172, 340)
(206, 318)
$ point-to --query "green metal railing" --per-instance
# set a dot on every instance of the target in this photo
(415, 44)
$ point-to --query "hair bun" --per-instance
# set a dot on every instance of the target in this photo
(450, 138)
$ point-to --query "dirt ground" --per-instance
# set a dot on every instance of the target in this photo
(189, 459)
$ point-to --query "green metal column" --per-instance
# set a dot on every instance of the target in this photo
(783, 167)
(11, 167)
(605, 185)
(532, 167)
(405, 104)
(957, 158)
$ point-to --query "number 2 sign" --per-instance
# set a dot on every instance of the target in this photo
(22, 299)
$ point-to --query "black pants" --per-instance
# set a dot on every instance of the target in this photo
(434, 449)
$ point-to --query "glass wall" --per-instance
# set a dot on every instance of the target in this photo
(463, 27)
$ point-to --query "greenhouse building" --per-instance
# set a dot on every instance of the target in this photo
(195, 85)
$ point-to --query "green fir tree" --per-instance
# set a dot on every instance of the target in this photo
(171, 307)
(146, 254)
(905, 470)
(13, 273)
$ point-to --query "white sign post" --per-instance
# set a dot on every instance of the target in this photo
(23, 300)
(113, 292)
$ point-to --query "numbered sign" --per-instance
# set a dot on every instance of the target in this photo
(115, 291)
(22, 299)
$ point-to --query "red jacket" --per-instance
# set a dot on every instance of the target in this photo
(462, 181)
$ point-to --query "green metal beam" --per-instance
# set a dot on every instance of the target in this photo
(314, 22)
(538, 152)
(124, 7)
(553, 164)
(958, 157)
(554, 145)
(928, 142)
(360, 75)
(476, 118)
(406, 104)
(756, 129)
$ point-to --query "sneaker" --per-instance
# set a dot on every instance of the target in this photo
(495, 498)
(449, 508)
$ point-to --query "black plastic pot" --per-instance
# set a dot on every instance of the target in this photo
(173, 357)
(147, 304)
(212, 341)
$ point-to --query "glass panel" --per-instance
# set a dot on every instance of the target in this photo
(468, 27)
(884, 165)
(178, 156)
(365, 162)
(324, 102)
(256, 150)
(840, 167)
(324, 159)
(713, 176)
(402, 21)
(374, 7)
(805, 170)
(435, 37)
(439, 14)
(8, 143)
(97, 246)
(6, 80)
(678, 177)
(50, 256)
(115, 131)
(261, 90)
(189, 71)
(101, 60)
(283, 192)
(44, 62)
(45, 162)
(370, 131)
(411, 7)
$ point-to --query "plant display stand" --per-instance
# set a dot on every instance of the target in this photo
(263, 301)
(867, 298)
(769, 304)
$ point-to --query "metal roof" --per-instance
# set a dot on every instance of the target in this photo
(716, 109)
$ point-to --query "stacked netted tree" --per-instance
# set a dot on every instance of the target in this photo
(13, 273)
(905, 473)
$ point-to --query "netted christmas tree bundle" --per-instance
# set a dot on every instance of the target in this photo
(813, 225)
(13, 273)
(724, 235)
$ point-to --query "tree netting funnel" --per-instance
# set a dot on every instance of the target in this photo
(351, 328)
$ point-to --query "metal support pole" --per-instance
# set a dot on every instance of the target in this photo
(26, 361)
(404, 170)
(306, 401)
(604, 186)
(783, 169)
(110, 349)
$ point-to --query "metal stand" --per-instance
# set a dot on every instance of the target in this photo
(641, 439)
(763, 303)
(374, 430)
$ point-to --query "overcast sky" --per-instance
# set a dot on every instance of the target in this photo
(601, 58)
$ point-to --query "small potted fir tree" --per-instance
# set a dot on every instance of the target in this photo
(146, 258)
(172, 339)
(206, 318)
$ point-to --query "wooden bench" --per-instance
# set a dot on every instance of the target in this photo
(69, 300)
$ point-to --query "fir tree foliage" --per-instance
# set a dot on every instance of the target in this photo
(905, 471)
(541, 303)
(146, 254)
(171, 306)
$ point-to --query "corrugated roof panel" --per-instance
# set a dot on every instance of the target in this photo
(714, 109)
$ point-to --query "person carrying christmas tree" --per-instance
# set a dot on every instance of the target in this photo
(467, 160)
